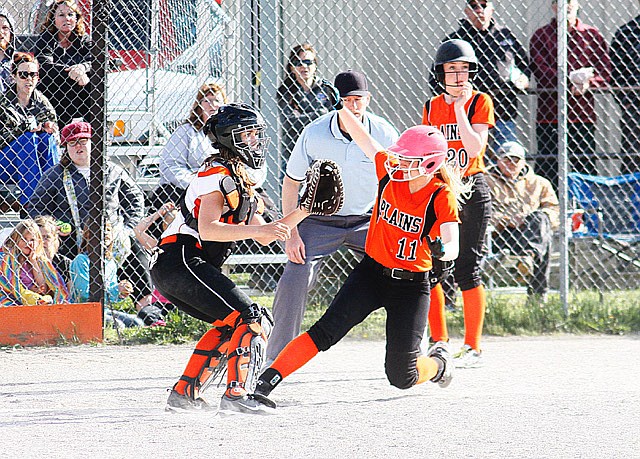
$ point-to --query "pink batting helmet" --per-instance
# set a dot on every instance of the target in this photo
(418, 142)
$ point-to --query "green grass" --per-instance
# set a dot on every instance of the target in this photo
(507, 314)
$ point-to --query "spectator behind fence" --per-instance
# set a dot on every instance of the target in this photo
(51, 230)
(114, 290)
(317, 237)
(63, 192)
(28, 130)
(300, 97)
(503, 66)
(64, 50)
(27, 277)
(7, 48)
(188, 146)
(525, 214)
(589, 66)
(625, 68)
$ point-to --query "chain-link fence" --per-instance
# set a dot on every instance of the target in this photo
(172, 62)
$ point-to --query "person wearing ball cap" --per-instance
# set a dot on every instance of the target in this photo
(414, 221)
(318, 237)
(63, 192)
(525, 214)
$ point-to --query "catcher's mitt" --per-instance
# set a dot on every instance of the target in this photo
(323, 193)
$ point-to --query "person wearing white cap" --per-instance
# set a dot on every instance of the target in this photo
(525, 213)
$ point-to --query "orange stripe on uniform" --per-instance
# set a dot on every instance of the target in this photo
(214, 170)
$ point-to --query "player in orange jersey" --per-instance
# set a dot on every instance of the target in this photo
(464, 116)
(415, 219)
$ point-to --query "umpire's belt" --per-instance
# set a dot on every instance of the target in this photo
(400, 274)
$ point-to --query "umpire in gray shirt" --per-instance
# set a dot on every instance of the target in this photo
(319, 236)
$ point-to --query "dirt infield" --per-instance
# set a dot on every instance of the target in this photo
(551, 397)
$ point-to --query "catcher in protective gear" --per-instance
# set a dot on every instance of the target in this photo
(323, 192)
(218, 208)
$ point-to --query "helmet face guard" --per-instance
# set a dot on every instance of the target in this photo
(226, 129)
(253, 153)
(417, 166)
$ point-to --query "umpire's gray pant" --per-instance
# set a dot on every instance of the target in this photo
(322, 236)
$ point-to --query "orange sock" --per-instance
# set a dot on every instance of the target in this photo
(474, 304)
(427, 368)
(295, 355)
(208, 342)
(437, 319)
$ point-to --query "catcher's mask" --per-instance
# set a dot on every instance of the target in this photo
(454, 51)
(420, 150)
(241, 129)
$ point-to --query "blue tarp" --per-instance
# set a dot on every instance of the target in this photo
(24, 160)
(611, 204)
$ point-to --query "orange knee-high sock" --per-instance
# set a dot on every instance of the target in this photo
(474, 304)
(295, 355)
(427, 368)
(437, 319)
(198, 360)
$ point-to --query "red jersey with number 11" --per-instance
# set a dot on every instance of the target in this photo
(401, 220)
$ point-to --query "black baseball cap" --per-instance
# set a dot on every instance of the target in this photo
(352, 83)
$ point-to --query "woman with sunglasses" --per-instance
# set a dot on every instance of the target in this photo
(300, 97)
(28, 129)
(64, 49)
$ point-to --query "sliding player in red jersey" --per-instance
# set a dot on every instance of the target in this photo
(415, 220)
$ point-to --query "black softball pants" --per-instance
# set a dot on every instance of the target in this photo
(182, 274)
(406, 303)
(474, 218)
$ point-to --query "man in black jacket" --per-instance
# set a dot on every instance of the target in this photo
(625, 72)
(503, 66)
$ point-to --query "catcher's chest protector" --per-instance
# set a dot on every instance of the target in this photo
(242, 207)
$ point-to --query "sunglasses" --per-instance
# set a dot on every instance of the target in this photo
(301, 62)
(24, 74)
(73, 143)
(475, 6)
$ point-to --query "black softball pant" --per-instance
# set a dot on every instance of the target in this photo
(407, 305)
(474, 220)
(181, 273)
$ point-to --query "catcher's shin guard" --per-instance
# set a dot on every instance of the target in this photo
(214, 366)
(247, 350)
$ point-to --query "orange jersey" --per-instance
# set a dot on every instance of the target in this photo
(438, 113)
(402, 220)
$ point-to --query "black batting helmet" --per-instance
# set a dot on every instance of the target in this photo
(225, 129)
(452, 51)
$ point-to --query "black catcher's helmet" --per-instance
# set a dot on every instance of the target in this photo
(226, 127)
(451, 51)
